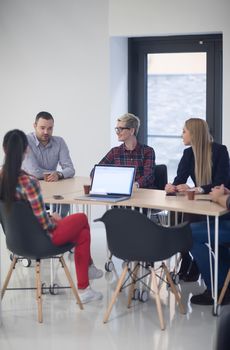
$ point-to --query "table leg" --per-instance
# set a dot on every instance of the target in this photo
(210, 255)
(214, 279)
(216, 264)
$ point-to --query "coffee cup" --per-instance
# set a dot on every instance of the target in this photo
(191, 194)
(46, 174)
(86, 189)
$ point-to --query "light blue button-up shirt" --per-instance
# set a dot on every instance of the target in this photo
(40, 158)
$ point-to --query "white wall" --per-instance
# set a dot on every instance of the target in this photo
(129, 18)
(55, 57)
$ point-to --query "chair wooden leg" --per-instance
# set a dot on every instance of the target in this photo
(115, 294)
(223, 290)
(174, 290)
(158, 301)
(71, 282)
(133, 285)
(8, 276)
(39, 291)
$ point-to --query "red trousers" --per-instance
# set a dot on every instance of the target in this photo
(75, 229)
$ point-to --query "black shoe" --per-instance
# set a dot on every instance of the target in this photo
(202, 299)
(206, 298)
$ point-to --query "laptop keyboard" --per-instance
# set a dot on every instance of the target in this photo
(108, 195)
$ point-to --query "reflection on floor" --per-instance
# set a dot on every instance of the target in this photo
(65, 325)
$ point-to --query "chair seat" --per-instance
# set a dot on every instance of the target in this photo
(134, 238)
(26, 238)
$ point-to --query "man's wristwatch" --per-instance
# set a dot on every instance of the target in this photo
(60, 175)
(200, 190)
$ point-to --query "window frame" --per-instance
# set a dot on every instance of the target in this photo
(139, 48)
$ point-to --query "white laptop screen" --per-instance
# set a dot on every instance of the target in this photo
(113, 179)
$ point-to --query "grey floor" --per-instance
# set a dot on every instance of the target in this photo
(66, 326)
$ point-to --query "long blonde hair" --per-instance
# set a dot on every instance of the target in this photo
(201, 142)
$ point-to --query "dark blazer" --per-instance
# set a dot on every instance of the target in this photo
(220, 167)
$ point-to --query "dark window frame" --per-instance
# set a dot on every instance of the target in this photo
(138, 48)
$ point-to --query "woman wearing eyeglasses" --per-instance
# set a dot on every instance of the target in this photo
(131, 152)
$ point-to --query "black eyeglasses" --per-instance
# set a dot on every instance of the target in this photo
(118, 130)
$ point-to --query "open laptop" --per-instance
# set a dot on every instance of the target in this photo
(111, 183)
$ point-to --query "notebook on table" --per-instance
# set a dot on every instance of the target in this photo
(111, 183)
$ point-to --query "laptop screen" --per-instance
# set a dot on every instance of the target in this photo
(109, 179)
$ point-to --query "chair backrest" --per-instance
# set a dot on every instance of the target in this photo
(24, 234)
(161, 176)
(134, 237)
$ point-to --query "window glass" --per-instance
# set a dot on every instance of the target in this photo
(176, 91)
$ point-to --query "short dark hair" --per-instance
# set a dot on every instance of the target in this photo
(43, 115)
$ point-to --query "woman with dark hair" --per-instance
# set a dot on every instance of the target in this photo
(16, 184)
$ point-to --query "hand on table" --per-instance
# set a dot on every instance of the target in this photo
(182, 188)
(169, 188)
(217, 192)
(52, 177)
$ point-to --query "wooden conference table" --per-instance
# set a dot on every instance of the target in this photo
(69, 189)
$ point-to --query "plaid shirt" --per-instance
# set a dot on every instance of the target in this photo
(143, 157)
(28, 189)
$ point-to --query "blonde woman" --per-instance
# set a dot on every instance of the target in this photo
(207, 164)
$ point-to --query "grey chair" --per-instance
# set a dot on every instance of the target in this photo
(133, 237)
(157, 215)
(26, 238)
